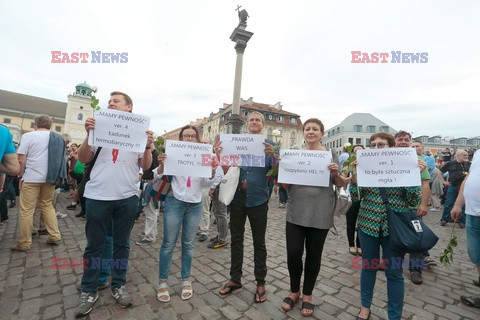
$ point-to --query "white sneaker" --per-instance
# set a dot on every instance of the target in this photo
(61, 215)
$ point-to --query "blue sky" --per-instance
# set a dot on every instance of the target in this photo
(181, 61)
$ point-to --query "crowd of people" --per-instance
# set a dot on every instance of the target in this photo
(113, 187)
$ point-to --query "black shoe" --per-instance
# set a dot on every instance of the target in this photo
(72, 207)
(81, 214)
(13, 203)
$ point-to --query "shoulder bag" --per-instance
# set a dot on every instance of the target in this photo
(408, 233)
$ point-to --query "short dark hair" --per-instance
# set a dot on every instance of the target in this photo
(188, 126)
(386, 136)
(314, 120)
(402, 133)
(128, 100)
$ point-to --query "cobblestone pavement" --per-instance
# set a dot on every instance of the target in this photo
(31, 289)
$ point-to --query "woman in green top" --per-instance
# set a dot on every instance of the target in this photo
(373, 232)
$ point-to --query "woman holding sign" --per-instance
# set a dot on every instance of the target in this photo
(183, 209)
(309, 217)
(373, 232)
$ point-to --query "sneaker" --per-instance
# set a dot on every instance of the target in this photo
(81, 214)
(434, 209)
(61, 215)
(214, 239)
(473, 301)
(281, 205)
(144, 242)
(416, 277)
(13, 203)
(203, 237)
(72, 207)
(121, 295)
(430, 262)
(443, 223)
(87, 299)
(17, 248)
(216, 245)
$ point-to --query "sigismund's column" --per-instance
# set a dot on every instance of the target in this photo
(240, 36)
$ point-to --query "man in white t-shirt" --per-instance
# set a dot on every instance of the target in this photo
(111, 198)
(33, 159)
(469, 196)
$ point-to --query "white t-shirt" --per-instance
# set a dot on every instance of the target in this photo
(471, 190)
(114, 175)
(184, 191)
(35, 146)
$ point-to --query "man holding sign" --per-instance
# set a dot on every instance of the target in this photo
(250, 200)
(112, 198)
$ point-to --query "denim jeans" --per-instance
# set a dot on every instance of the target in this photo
(473, 238)
(100, 216)
(178, 214)
(450, 198)
(395, 285)
(282, 194)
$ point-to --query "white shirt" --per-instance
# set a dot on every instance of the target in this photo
(471, 190)
(182, 192)
(34, 145)
(114, 175)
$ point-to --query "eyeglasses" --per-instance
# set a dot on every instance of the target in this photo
(377, 145)
(189, 136)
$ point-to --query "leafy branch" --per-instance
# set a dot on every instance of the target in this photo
(159, 145)
(447, 257)
(349, 165)
(94, 102)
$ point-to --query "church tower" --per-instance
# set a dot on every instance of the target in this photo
(78, 109)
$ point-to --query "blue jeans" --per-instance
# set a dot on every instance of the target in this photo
(178, 214)
(450, 198)
(282, 194)
(100, 215)
(473, 238)
(395, 285)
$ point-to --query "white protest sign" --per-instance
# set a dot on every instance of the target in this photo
(389, 167)
(304, 167)
(185, 159)
(244, 150)
(119, 130)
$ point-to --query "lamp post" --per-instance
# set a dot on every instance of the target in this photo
(240, 36)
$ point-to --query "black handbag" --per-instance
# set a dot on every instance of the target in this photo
(408, 233)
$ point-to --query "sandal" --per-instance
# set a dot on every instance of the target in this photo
(163, 296)
(307, 306)
(352, 251)
(188, 292)
(290, 302)
(231, 286)
(260, 295)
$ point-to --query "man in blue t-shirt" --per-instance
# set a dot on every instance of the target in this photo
(8, 158)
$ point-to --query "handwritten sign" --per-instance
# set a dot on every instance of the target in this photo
(244, 150)
(305, 167)
(185, 159)
(390, 167)
(119, 130)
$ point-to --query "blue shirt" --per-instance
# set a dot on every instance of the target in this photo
(257, 188)
(6, 142)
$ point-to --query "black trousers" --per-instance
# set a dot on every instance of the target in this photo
(258, 223)
(312, 239)
(352, 215)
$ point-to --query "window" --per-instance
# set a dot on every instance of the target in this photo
(293, 121)
(293, 136)
(80, 117)
(357, 128)
(338, 130)
(7, 120)
(245, 113)
(358, 141)
(32, 125)
(350, 140)
(367, 142)
(58, 128)
(269, 117)
(371, 129)
(384, 129)
(280, 118)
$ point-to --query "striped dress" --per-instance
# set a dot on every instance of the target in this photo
(372, 216)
